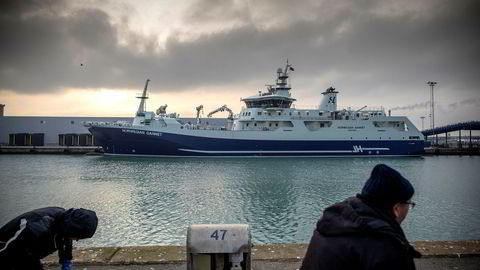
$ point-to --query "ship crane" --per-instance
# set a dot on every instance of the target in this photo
(199, 109)
(221, 109)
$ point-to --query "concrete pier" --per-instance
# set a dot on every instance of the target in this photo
(54, 149)
(436, 255)
(438, 151)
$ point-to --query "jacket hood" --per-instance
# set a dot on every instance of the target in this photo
(78, 223)
(355, 216)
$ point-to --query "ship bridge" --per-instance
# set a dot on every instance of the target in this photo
(277, 95)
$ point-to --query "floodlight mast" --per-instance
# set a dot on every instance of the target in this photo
(432, 106)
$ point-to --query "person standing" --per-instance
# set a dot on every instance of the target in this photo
(34, 235)
(364, 232)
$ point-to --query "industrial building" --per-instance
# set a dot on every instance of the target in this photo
(52, 127)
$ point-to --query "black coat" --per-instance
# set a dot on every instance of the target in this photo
(355, 235)
(33, 236)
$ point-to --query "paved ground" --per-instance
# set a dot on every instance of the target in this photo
(438, 255)
(469, 263)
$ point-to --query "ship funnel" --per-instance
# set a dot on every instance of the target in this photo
(329, 101)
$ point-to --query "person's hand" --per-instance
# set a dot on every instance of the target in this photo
(66, 265)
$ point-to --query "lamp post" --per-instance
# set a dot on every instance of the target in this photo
(432, 108)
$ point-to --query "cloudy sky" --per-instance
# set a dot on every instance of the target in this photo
(91, 58)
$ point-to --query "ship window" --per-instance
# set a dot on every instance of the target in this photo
(279, 113)
(308, 113)
(181, 127)
(276, 124)
(43, 122)
(269, 124)
(290, 113)
(247, 124)
(298, 113)
(255, 124)
(259, 113)
(321, 125)
(269, 114)
(320, 113)
(72, 122)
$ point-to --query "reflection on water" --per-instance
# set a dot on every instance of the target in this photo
(142, 201)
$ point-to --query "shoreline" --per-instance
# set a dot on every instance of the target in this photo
(284, 253)
(97, 150)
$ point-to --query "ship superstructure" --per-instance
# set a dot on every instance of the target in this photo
(268, 125)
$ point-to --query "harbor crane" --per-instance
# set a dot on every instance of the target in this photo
(199, 109)
(221, 109)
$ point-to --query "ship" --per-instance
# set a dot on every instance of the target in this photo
(268, 125)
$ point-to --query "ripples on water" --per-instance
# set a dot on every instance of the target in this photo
(143, 201)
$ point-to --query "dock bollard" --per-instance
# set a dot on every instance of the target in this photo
(219, 247)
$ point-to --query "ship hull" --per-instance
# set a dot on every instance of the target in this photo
(131, 142)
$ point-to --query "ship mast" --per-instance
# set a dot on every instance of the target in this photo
(143, 97)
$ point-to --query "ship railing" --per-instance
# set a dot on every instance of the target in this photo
(108, 124)
(201, 127)
(361, 109)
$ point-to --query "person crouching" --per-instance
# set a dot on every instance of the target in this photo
(36, 234)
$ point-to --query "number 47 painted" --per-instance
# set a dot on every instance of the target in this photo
(215, 234)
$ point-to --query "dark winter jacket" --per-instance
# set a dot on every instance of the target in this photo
(356, 235)
(40, 232)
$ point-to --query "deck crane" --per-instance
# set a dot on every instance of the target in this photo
(199, 109)
(221, 109)
(162, 110)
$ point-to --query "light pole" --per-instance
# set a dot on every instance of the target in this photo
(432, 108)
(423, 118)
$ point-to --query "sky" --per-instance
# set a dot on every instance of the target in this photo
(92, 58)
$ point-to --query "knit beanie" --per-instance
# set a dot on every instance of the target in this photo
(78, 223)
(386, 187)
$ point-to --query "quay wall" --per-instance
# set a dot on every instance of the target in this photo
(283, 253)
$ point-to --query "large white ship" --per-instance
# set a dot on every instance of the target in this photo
(268, 126)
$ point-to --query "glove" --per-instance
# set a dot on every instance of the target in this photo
(66, 265)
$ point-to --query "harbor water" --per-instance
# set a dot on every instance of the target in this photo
(152, 201)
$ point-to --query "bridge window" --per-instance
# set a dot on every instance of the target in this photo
(259, 113)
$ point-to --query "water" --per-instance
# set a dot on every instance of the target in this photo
(143, 201)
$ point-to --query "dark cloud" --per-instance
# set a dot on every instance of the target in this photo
(371, 46)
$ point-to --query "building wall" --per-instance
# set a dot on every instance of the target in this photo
(52, 126)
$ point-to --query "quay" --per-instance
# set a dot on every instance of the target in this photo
(53, 149)
(441, 151)
(97, 150)
(436, 255)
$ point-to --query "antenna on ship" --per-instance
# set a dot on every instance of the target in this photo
(143, 97)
